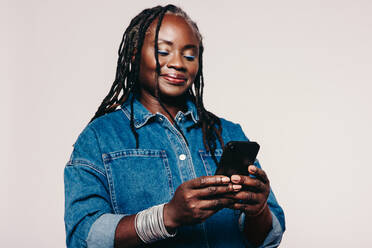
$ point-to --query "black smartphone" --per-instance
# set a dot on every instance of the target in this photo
(236, 157)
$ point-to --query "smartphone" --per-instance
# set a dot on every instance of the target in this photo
(236, 157)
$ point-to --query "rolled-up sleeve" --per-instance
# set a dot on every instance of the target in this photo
(273, 238)
(102, 232)
(89, 217)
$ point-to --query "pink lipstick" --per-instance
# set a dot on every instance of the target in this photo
(175, 78)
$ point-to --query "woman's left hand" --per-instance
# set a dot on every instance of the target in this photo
(252, 198)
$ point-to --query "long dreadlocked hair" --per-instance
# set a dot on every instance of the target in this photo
(128, 69)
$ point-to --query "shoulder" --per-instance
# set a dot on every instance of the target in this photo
(103, 124)
(97, 134)
(229, 124)
(232, 130)
(109, 121)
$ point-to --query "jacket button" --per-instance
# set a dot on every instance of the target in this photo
(182, 157)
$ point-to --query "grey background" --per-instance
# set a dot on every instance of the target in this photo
(295, 74)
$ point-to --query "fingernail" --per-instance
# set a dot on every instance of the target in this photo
(225, 179)
(237, 187)
(253, 168)
(235, 178)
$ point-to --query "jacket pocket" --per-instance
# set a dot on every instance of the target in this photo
(138, 179)
(208, 162)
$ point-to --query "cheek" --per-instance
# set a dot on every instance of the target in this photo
(147, 68)
(147, 57)
(194, 70)
(148, 62)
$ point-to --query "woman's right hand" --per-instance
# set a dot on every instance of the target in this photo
(196, 200)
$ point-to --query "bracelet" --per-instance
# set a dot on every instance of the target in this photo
(149, 225)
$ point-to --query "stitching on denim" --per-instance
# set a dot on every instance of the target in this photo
(111, 189)
(218, 152)
(147, 153)
(131, 153)
(175, 149)
(204, 155)
(184, 147)
(144, 120)
(189, 158)
(139, 122)
(109, 180)
(79, 162)
(192, 116)
(205, 163)
(169, 173)
(125, 113)
(98, 144)
(179, 115)
(191, 109)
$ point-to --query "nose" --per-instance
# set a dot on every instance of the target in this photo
(176, 62)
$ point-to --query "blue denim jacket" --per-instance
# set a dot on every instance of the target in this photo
(107, 178)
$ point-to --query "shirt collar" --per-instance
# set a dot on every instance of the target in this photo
(141, 115)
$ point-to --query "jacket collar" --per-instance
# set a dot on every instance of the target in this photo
(141, 115)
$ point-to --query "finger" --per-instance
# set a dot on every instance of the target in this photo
(238, 179)
(217, 190)
(215, 204)
(246, 197)
(248, 209)
(206, 181)
(249, 183)
(259, 173)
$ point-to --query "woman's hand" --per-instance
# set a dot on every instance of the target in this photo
(252, 199)
(197, 199)
(255, 191)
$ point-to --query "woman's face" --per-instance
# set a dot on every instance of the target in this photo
(178, 53)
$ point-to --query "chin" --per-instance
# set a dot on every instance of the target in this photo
(174, 91)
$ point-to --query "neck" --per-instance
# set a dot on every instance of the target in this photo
(172, 104)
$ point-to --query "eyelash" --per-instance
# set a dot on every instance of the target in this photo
(165, 53)
(190, 57)
(162, 53)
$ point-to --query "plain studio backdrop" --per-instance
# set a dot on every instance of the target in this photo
(295, 74)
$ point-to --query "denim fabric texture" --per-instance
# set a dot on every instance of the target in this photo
(107, 178)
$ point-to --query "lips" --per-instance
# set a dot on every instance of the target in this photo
(175, 78)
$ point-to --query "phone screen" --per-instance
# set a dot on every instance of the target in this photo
(236, 157)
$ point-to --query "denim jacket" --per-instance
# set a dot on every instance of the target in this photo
(107, 178)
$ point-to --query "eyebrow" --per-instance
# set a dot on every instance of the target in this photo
(188, 46)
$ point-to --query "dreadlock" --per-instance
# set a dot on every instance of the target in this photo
(128, 70)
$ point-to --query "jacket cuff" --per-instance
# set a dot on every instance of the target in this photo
(272, 239)
(102, 232)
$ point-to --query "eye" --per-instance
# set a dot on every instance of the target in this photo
(189, 57)
(162, 53)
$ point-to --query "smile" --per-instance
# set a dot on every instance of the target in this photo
(174, 78)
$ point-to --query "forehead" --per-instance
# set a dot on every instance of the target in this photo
(174, 28)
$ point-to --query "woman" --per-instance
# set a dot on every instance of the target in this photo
(142, 171)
